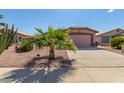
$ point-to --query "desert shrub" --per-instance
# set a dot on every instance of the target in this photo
(116, 42)
(25, 46)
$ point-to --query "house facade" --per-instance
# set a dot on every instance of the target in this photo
(105, 38)
(19, 36)
(83, 36)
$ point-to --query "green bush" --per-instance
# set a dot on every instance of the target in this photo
(25, 46)
(122, 45)
(116, 42)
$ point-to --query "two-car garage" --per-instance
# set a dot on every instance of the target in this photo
(82, 36)
(81, 40)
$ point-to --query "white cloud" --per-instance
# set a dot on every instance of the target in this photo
(110, 10)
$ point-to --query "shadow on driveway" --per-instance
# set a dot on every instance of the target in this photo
(28, 75)
(37, 75)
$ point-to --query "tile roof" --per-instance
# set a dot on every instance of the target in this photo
(80, 27)
(99, 33)
(18, 33)
(113, 32)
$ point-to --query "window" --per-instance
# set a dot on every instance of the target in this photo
(105, 39)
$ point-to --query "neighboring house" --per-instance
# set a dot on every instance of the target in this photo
(1, 26)
(83, 36)
(105, 38)
(19, 36)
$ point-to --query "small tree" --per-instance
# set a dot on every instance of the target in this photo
(53, 38)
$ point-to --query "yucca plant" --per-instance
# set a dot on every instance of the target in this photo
(6, 37)
(1, 23)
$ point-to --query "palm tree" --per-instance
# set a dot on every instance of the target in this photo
(53, 38)
(6, 37)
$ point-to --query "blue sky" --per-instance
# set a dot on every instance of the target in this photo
(98, 19)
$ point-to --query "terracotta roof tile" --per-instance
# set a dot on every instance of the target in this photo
(113, 32)
(80, 27)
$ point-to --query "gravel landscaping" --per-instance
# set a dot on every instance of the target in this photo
(108, 48)
(29, 59)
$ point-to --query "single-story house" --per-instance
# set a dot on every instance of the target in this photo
(83, 36)
(105, 37)
(19, 36)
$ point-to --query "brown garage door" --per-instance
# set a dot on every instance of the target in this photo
(81, 40)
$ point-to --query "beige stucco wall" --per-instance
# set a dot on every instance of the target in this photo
(99, 40)
(84, 31)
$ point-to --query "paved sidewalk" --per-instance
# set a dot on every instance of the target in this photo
(91, 65)
(63, 75)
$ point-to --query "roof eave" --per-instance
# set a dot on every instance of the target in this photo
(83, 28)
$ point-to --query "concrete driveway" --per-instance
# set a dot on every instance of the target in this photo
(90, 65)
(98, 65)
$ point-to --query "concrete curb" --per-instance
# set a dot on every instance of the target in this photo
(68, 54)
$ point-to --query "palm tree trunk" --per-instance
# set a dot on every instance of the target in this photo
(51, 54)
